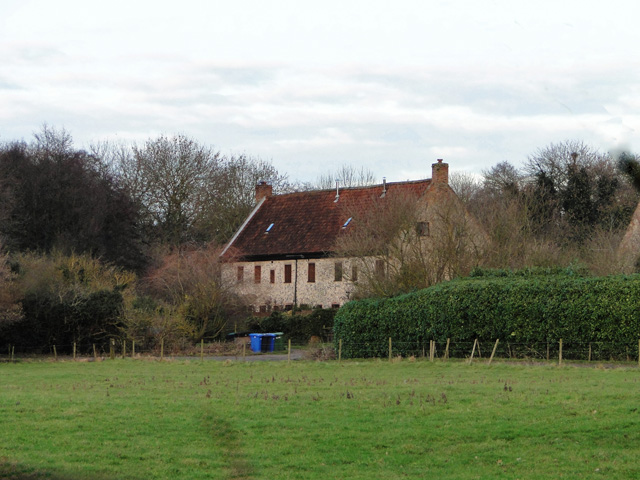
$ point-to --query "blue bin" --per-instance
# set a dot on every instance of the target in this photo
(256, 342)
(263, 342)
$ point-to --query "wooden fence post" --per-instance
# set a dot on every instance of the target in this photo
(339, 350)
(560, 354)
(162, 348)
(112, 353)
(74, 350)
(390, 350)
(446, 350)
(124, 348)
(473, 350)
(289, 352)
(95, 357)
(244, 350)
(202, 349)
(13, 349)
(55, 353)
(133, 348)
(432, 347)
(494, 350)
(589, 351)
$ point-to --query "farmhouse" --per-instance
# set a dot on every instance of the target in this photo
(284, 255)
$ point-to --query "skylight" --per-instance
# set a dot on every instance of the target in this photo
(347, 223)
(269, 228)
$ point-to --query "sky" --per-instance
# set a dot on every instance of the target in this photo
(311, 86)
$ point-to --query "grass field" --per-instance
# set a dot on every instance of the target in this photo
(137, 419)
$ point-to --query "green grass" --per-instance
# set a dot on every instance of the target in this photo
(128, 419)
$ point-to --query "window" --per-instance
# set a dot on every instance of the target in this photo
(337, 271)
(240, 274)
(272, 276)
(311, 273)
(288, 307)
(287, 273)
(422, 229)
(257, 274)
(335, 305)
(354, 273)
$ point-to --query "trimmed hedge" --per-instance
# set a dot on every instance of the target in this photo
(518, 308)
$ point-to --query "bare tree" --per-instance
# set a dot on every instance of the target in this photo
(554, 160)
(233, 197)
(346, 176)
(172, 178)
(53, 196)
(50, 141)
(577, 189)
(503, 179)
(188, 192)
(404, 242)
(465, 185)
(190, 282)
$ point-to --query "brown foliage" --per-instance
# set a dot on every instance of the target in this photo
(10, 309)
(404, 242)
(189, 283)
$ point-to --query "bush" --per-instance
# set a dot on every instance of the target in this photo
(517, 308)
(299, 327)
(67, 299)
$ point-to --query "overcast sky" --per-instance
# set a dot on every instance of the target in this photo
(310, 86)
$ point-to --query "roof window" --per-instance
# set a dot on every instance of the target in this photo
(347, 222)
(269, 228)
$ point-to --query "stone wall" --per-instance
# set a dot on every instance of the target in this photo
(267, 288)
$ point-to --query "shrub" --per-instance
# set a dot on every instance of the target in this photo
(67, 299)
(518, 308)
(299, 327)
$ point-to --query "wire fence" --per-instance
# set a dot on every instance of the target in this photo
(118, 348)
(478, 351)
(488, 350)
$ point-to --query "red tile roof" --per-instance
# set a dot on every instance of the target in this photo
(308, 223)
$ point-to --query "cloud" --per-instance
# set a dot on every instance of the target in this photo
(391, 89)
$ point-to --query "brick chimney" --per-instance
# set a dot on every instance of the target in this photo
(263, 189)
(440, 173)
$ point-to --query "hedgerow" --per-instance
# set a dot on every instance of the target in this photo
(298, 328)
(513, 307)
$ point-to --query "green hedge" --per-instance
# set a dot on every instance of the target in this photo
(517, 308)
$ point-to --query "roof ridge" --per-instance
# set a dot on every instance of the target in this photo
(360, 187)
